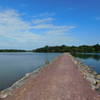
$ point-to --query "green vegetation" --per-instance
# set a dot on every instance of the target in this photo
(63, 48)
(11, 50)
(72, 49)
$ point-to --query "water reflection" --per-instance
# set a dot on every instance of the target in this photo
(90, 59)
(14, 66)
(87, 55)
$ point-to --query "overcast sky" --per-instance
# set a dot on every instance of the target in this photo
(29, 24)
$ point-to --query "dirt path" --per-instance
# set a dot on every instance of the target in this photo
(60, 80)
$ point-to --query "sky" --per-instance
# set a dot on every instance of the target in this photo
(30, 24)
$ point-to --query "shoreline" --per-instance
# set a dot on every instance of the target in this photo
(86, 71)
(9, 91)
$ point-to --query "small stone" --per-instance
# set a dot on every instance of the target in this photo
(93, 87)
(3, 95)
(98, 77)
(91, 78)
(27, 75)
(94, 73)
(75, 62)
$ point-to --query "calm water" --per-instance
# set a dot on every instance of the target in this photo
(90, 59)
(14, 66)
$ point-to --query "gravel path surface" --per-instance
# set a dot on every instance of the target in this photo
(60, 80)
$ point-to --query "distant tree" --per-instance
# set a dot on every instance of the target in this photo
(72, 49)
(12, 50)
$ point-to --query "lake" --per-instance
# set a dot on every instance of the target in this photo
(14, 66)
(90, 59)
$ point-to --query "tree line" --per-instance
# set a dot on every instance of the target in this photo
(73, 49)
(83, 48)
(11, 50)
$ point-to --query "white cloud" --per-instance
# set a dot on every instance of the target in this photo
(44, 20)
(11, 22)
(52, 26)
(43, 15)
(15, 32)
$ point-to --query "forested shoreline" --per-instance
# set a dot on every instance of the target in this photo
(73, 49)
(63, 48)
(11, 50)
